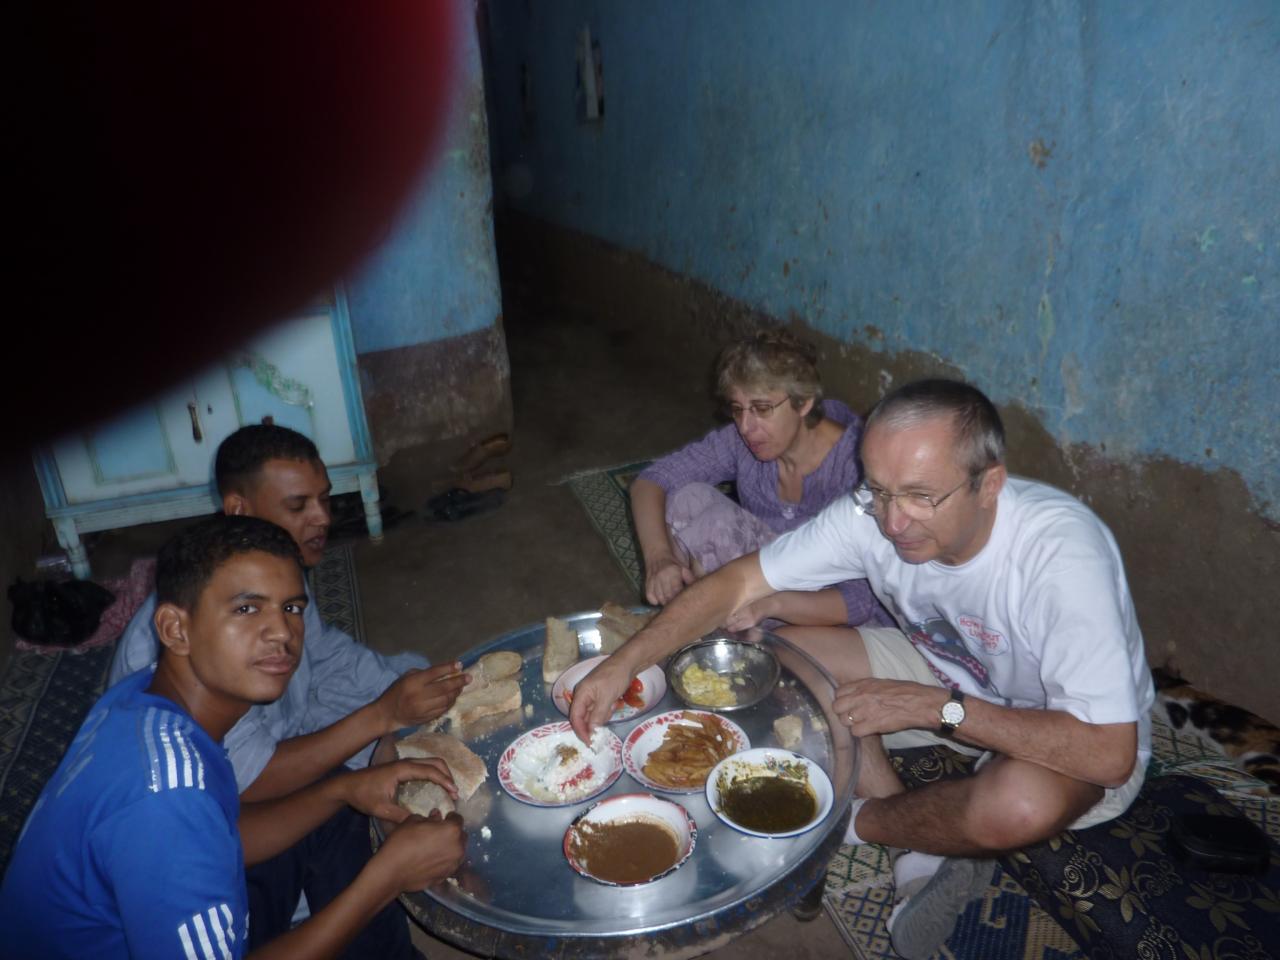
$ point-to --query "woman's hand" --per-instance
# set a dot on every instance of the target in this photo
(664, 579)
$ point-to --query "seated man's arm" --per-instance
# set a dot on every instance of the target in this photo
(1098, 753)
(417, 697)
(345, 675)
(416, 854)
(702, 607)
(802, 608)
(268, 827)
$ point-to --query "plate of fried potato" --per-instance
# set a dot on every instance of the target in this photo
(674, 752)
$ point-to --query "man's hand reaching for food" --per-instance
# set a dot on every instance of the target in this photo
(595, 696)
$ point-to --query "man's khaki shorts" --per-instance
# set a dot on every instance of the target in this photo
(894, 657)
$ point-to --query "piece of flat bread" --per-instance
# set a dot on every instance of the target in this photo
(467, 769)
(624, 618)
(498, 665)
(422, 797)
(559, 649)
(498, 697)
(617, 625)
(612, 636)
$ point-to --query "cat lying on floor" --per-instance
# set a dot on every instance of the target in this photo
(1249, 740)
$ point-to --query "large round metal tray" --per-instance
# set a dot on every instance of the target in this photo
(516, 896)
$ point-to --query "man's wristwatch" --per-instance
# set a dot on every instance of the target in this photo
(952, 713)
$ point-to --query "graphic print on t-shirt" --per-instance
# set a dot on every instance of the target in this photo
(940, 639)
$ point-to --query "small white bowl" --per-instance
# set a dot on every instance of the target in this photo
(653, 687)
(648, 736)
(636, 806)
(771, 761)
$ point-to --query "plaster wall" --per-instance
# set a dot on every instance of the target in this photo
(426, 306)
(1074, 205)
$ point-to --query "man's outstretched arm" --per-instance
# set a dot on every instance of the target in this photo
(419, 696)
(702, 607)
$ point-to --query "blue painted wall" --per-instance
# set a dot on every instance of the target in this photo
(1077, 204)
(436, 275)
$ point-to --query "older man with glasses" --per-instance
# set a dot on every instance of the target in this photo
(1016, 642)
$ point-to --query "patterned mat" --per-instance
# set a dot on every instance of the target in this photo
(603, 494)
(44, 697)
(1005, 923)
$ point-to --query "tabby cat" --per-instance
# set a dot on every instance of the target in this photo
(1253, 743)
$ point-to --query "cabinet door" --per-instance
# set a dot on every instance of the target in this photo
(164, 444)
(289, 375)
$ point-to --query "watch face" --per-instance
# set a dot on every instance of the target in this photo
(952, 712)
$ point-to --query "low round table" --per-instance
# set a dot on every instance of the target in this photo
(516, 896)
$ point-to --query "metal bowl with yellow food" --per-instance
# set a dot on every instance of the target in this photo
(722, 674)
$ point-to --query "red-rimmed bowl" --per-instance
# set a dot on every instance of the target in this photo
(667, 814)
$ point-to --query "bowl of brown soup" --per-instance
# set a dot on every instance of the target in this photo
(630, 839)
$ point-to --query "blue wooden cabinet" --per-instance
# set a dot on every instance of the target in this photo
(155, 461)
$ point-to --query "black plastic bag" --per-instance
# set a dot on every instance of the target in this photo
(58, 613)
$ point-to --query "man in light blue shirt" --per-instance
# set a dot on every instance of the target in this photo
(342, 698)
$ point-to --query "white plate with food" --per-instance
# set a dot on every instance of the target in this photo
(770, 792)
(674, 752)
(646, 690)
(631, 839)
(550, 767)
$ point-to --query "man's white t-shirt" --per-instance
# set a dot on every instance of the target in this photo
(1040, 618)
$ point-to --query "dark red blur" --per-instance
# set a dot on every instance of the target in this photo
(187, 173)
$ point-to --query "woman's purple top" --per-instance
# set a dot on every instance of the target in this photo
(723, 456)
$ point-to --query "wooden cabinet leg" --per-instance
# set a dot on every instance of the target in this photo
(69, 540)
(372, 508)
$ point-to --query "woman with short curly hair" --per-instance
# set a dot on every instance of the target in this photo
(789, 452)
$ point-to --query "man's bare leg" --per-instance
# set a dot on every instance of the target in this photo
(1006, 805)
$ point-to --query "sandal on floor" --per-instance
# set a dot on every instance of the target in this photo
(458, 504)
(496, 446)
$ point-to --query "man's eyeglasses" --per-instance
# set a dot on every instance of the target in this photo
(761, 409)
(917, 506)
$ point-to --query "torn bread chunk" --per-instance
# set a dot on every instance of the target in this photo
(423, 797)
(632, 623)
(559, 649)
(617, 625)
(498, 665)
(466, 768)
(498, 697)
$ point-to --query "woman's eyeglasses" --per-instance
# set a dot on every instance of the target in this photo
(760, 409)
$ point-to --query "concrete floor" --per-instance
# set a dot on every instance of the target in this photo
(585, 395)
